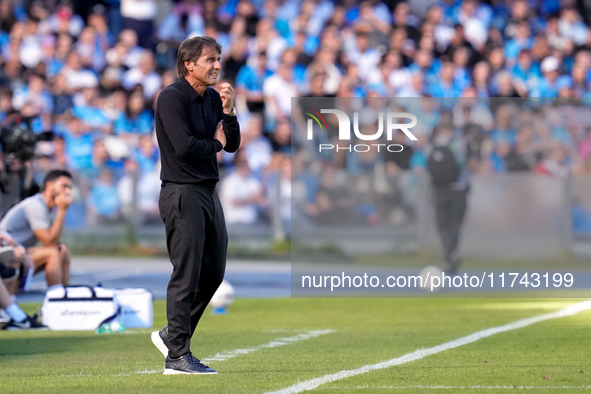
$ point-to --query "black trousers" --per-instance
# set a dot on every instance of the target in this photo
(197, 243)
(450, 209)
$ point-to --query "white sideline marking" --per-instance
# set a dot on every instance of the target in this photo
(421, 353)
(232, 353)
(464, 387)
(275, 343)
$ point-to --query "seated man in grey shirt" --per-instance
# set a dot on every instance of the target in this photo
(40, 218)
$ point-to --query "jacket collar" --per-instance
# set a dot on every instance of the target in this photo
(189, 91)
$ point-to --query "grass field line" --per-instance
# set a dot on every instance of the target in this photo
(422, 353)
(223, 356)
(275, 343)
(463, 387)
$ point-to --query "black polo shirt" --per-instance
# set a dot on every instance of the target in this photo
(185, 127)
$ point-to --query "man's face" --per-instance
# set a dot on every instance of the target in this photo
(206, 70)
(62, 185)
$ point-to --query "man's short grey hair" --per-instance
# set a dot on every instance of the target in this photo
(191, 49)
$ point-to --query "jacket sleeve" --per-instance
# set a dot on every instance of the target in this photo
(232, 130)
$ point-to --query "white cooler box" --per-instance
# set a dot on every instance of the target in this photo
(79, 308)
(136, 307)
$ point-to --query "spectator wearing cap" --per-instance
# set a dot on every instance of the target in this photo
(551, 80)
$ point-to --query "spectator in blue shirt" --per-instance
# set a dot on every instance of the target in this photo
(78, 145)
(445, 85)
(503, 130)
(521, 40)
(101, 160)
(526, 73)
(146, 154)
(249, 82)
(549, 84)
(88, 108)
(104, 204)
(137, 120)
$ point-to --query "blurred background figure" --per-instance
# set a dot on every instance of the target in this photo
(447, 160)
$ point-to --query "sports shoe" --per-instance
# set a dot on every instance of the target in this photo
(8, 273)
(186, 364)
(30, 323)
(160, 340)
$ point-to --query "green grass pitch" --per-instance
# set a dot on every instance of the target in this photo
(550, 356)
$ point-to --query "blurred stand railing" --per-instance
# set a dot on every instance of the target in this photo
(509, 215)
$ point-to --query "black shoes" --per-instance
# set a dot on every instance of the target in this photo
(186, 365)
(160, 340)
(30, 323)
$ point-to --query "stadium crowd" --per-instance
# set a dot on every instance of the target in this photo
(91, 71)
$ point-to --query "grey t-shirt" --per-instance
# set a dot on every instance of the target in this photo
(28, 215)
